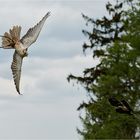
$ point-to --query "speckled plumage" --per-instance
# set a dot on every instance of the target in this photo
(12, 40)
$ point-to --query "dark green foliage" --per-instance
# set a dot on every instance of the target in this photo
(116, 42)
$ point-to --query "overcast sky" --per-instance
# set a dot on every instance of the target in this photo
(47, 110)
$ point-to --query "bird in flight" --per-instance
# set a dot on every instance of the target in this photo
(12, 40)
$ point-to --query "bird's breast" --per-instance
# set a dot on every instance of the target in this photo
(20, 50)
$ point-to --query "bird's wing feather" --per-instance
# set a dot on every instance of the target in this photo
(32, 34)
(16, 69)
(126, 105)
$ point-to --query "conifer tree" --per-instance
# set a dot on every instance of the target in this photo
(114, 40)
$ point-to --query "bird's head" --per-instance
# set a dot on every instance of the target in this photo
(25, 53)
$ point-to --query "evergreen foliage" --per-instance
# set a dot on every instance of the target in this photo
(115, 41)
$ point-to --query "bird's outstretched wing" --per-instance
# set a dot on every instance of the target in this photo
(16, 69)
(32, 34)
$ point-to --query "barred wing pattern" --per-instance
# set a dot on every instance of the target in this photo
(16, 69)
(32, 34)
(12, 39)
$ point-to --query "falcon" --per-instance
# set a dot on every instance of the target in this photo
(12, 40)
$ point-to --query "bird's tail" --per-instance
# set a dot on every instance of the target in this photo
(9, 39)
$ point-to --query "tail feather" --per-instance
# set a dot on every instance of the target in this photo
(6, 40)
(9, 39)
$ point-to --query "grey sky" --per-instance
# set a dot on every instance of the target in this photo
(47, 110)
